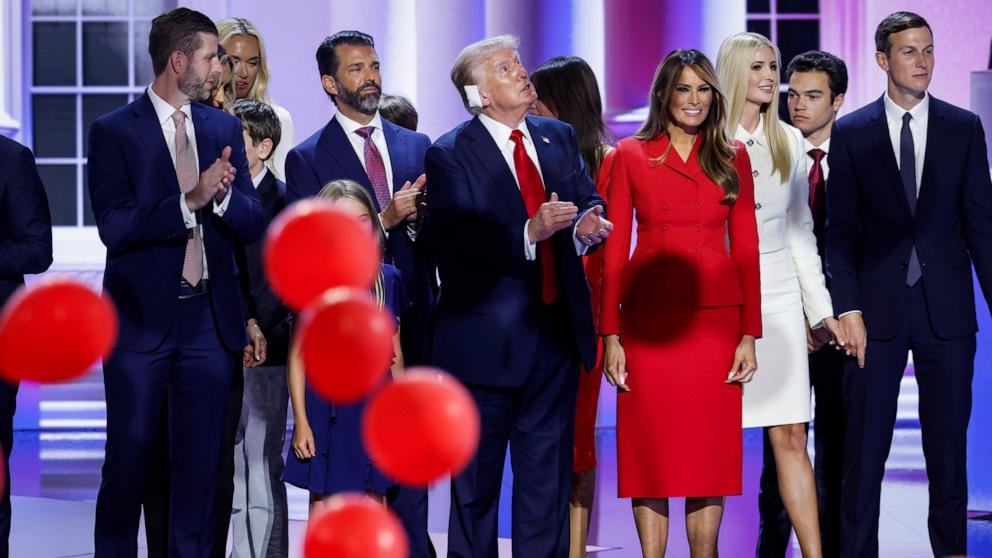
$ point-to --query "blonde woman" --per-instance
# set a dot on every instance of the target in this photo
(793, 291)
(244, 46)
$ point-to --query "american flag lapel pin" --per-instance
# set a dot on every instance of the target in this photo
(545, 139)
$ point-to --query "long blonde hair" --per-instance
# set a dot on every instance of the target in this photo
(733, 64)
(716, 154)
(239, 27)
(349, 189)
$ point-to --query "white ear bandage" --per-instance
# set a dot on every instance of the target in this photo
(473, 96)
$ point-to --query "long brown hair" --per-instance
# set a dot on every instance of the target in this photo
(716, 153)
(567, 85)
(344, 188)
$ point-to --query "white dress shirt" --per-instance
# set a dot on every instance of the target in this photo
(783, 215)
(164, 112)
(917, 126)
(501, 135)
(808, 159)
(358, 143)
(256, 180)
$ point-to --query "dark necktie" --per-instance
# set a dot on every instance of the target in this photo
(907, 170)
(375, 168)
(816, 191)
(532, 191)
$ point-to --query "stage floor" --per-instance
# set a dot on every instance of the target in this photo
(56, 475)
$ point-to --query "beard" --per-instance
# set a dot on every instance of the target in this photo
(366, 103)
(194, 87)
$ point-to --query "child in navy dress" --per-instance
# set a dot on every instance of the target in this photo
(327, 455)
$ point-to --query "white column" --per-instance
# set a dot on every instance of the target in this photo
(12, 85)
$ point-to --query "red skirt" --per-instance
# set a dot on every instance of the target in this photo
(679, 428)
(584, 450)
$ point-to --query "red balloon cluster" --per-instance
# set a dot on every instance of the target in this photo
(346, 342)
(313, 246)
(55, 331)
(353, 526)
(421, 427)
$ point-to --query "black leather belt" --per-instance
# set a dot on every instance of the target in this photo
(189, 291)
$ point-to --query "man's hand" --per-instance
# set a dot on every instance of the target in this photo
(254, 352)
(551, 217)
(404, 204)
(593, 228)
(855, 336)
(213, 183)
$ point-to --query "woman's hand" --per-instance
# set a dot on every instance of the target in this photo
(745, 364)
(615, 362)
(303, 445)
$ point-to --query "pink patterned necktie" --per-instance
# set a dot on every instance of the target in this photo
(188, 177)
(375, 168)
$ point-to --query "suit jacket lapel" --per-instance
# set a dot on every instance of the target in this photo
(880, 136)
(928, 186)
(492, 160)
(149, 129)
(396, 145)
(335, 145)
(206, 150)
(548, 155)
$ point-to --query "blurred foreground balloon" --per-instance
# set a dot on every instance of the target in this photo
(346, 341)
(314, 246)
(353, 526)
(55, 331)
(421, 427)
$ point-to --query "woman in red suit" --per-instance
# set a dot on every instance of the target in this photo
(683, 342)
(567, 90)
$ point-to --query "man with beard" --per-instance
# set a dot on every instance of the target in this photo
(171, 192)
(358, 144)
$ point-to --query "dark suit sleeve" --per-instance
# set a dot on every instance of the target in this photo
(301, 180)
(244, 212)
(123, 224)
(29, 222)
(843, 225)
(248, 307)
(462, 231)
(978, 209)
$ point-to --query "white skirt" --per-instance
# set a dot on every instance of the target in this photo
(779, 393)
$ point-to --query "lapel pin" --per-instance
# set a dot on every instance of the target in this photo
(545, 139)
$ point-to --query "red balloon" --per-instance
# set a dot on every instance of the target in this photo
(313, 246)
(353, 526)
(421, 427)
(55, 331)
(346, 341)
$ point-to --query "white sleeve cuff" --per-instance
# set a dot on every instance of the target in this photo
(849, 312)
(221, 208)
(530, 250)
(189, 218)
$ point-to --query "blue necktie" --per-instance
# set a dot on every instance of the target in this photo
(907, 169)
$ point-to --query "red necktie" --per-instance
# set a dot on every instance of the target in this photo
(816, 190)
(532, 191)
(375, 168)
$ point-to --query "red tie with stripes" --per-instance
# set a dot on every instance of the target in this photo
(532, 191)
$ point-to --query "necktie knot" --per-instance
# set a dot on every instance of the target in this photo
(817, 154)
(365, 132)
(906, 117)
(178, 117)
(517, 137)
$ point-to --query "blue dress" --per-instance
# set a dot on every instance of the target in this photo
(341, 463)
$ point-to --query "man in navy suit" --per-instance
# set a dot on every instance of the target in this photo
(512, 210)
(909, 210)
(171, 193)
(388, 160)
(25, 247)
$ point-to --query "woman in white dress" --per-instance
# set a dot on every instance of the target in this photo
(250, 78)
(793, 292)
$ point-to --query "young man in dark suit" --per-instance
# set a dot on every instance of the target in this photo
(388, 160)
(25, 247)
(909, 211)
(512, 212)
(171, 194)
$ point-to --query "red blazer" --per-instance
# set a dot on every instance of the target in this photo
(593, 263)
(682, 258)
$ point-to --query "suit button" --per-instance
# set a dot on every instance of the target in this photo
(664, 227)
(665, 207)
(757, 206)
(903, 265)
(923, 264)
(698, 206)
(696, 227)
(750, 142)
(754, 174)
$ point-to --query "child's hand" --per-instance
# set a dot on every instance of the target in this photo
(303, 446)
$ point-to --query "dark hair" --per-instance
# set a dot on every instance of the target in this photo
(399, 111)
(894, 23)
(177, 30)
(820, 61)
(716, 153)
(258, 119)
(327, 56)
(567, 86)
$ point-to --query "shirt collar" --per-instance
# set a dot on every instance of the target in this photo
(825, 146)
(163, 110)
(758, 136)
(350, 126)
(256, 180)
(501, 132)
(894, 112)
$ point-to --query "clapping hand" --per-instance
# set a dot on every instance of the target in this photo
(593, 228)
